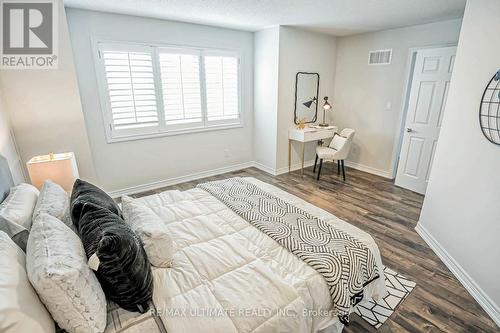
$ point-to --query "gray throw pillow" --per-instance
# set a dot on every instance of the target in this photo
(83, 193)
(118, 256)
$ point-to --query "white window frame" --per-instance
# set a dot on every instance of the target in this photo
(162, 129)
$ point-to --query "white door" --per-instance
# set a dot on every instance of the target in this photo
(428, 93)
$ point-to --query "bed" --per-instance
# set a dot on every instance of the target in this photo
(228, 276)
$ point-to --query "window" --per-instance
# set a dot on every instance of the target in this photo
(180, 84)
(221, 80)
(155, 90)
(131, 91)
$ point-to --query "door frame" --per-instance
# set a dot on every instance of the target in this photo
(410, 66)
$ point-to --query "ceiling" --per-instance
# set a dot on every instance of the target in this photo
(336, 17)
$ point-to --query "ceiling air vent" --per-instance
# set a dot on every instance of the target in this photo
(380, 57)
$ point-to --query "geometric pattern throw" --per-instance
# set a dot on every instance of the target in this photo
(344, 261)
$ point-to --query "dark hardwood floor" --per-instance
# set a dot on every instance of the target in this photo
(439, 303)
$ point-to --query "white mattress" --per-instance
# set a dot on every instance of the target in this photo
(230, 277)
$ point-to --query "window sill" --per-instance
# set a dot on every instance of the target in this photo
(115, 139)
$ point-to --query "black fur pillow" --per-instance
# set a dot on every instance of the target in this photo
(124, 270)
(84, 192)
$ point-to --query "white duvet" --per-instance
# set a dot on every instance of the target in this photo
(230, 277)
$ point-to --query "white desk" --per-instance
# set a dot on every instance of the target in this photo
(307, 134)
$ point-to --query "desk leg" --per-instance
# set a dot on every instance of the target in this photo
(303, 150)
(289, 155)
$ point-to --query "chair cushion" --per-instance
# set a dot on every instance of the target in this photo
(57, 268)
(119, 259)
(84, 192)
(20, 307)
(325, 153)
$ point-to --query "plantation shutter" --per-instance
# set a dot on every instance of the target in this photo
(148, 90)
(221, 82)
(180, 80)
(131, 88)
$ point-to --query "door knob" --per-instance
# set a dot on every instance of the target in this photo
(409, 130)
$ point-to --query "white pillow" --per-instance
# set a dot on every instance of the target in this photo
(337, 142)
(53, 200)
(20, 307)
(19, 204)
(57, 268)
(158, 244)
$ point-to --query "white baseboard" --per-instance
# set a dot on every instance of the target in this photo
(307, 164)
(349, 164)
(296, 166)
(264, 168)
(178, 180)
(369, 169)
(465, 279)
(282, 170)
(218, 171)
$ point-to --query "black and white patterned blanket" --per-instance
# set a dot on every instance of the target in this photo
(345, 262)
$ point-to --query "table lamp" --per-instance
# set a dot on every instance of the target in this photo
(60, 168)
(326, 106)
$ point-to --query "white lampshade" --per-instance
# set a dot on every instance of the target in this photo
(60, 168)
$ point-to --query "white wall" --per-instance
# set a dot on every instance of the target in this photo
(8, 146)
(280, 53)
(301, 51)
(362, 92)
(131, 163)
(44, 108)
(461, 212)
(265, 125)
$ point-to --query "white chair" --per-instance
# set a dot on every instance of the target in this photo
(337, 150)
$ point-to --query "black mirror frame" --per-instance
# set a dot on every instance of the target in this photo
(295, 120)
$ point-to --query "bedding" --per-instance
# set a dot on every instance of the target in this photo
(19, 205)
(53, 200)
(346, 264)
(57, 268)
(20, 307)
(158, 243)
(228, 276)
(16, 232)
(117, 256)
(16, 213)
(6, 181)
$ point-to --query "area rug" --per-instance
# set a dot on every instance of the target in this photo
(398, 287)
